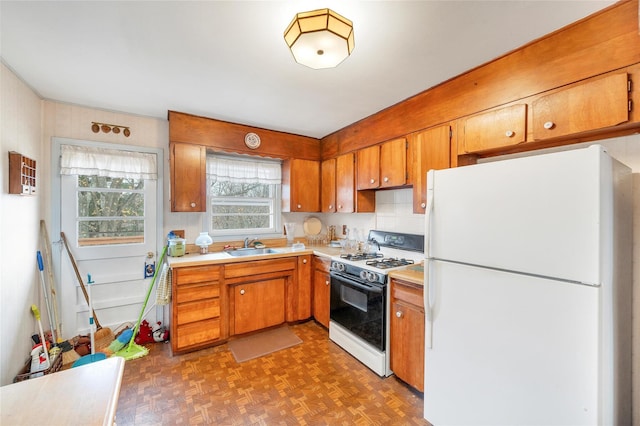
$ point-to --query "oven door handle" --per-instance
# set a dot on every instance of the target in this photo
(350, 281)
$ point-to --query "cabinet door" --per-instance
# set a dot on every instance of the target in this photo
(368, 167)
(588, 106)
(303, 293)
(407, 343)
(328, 186)
(429, 149)
(188, 178)
(393, 163)
(258, 305)
(494, 129)
(301, 186)
(321, 291)
(348, 200)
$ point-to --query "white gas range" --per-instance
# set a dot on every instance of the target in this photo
(359, 307)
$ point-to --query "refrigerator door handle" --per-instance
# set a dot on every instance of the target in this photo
(428, 289)
(428, 305)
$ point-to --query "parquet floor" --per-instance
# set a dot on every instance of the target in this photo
(313, 383)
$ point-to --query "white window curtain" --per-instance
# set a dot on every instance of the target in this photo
(85, 160)
(234, 170)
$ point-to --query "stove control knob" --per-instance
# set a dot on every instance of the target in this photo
(363, 275)
(339, 266)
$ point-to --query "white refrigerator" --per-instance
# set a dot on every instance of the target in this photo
(528, 281)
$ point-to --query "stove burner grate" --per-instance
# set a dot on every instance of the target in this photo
(361, 256)
(389, 262)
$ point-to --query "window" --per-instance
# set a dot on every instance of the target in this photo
(107, 192)
(243, 196)
(110, 210)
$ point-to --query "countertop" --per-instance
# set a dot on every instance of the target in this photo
(413, 274)
(197, 259)
(87, 394)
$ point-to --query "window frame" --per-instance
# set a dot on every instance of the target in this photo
(273, 232)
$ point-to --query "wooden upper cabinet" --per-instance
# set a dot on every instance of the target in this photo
(429, 149)
(328, 186)
(499, 128)
(382, 166)
(348, 200)
(188, 177)
(301, 186)
(587, 106)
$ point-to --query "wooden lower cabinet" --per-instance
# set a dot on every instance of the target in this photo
(258, 305)
(302, 290)
(407, 332)
(196, 314)
(321, 289)
(262, 293)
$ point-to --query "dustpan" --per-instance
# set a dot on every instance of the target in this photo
(133, 350)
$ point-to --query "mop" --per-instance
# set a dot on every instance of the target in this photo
(133, 350)
(93, 356)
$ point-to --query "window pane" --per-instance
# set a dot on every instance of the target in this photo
(119, 231)
(85, 181)
(110, 204)
(110, 210)
(240, 208)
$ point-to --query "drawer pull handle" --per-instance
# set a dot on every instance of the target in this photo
(423, 205)
(193, 204)
(386, 179)
(509, 133)
(242, 291)
(399, 314)
(372, 181)
(549, 125)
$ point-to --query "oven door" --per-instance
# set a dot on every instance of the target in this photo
(359, 307)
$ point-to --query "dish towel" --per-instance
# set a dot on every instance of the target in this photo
(163, 294)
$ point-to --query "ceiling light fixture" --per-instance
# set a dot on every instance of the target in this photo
(320, 38)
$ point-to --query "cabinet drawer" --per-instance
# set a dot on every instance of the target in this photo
(197, 292)
(407, 293)
(245, 269)
(198, 332)
(196, 311)
(196, 274)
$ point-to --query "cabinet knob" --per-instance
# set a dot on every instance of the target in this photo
(399, 314)
(330, 206)
(242, 291)
(386, 179)
(193, 204)
(549, 125)
(509, 133)
(372, 180)
(299, 206)
(339, 206)
(304, 261)
(423, 205)
(327, 282)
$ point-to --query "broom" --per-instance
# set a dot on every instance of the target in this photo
(103, 336)
(133, 350)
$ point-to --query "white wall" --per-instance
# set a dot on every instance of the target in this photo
(20, 127)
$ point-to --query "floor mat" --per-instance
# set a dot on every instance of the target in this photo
(264, 343)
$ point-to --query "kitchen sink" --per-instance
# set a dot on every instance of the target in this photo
(252, 251)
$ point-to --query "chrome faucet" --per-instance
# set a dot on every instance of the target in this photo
(247, 242)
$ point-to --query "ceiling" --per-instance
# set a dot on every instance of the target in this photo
(228, 59)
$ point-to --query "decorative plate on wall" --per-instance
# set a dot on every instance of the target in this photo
(252, 140)
(312, 226)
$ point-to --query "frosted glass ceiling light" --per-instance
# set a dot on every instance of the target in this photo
(320, 38)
